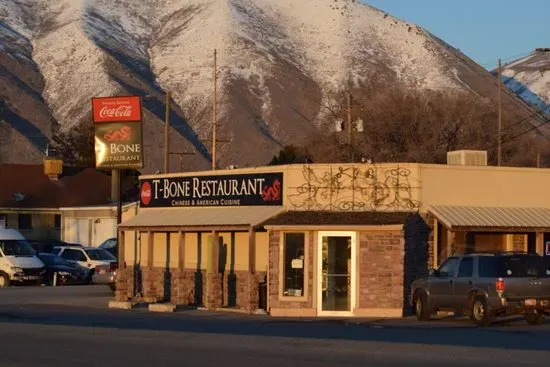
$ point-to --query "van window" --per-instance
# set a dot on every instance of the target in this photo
(16, 248)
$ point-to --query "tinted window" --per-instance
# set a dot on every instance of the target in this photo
(448, 268)
(100, 254)
(74, 255)
(466, 268)
(16, 248)
(523, 266)
(487, 267)
(514, 267)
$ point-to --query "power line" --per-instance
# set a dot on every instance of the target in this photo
(533, 128)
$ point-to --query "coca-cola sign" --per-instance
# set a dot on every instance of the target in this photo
(116, 109)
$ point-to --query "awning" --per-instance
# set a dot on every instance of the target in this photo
(197, 218)
(492, 219)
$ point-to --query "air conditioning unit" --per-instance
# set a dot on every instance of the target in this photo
(467, 158)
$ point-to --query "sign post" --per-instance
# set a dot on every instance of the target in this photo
(118, 142)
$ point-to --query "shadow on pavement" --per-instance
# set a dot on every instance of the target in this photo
(431, 333)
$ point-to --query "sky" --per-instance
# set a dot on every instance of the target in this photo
(484, 30)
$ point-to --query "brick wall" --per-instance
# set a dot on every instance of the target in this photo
(381, 269)
(273, 285)
(187, 287)
(519, 242)
(156, 284)
(240, 290)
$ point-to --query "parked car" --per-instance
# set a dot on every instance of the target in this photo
(101, 261)
(485, 286)
(60, 272)
(110, 245)
(18, 261)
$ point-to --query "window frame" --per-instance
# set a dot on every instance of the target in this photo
(305, 294)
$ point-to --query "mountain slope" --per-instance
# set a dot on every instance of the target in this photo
(279, 64)
(529, 78)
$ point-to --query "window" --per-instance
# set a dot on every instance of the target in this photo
(16, 248)
(448, 268)
(24, 221)
(73, 255)
(293, 264)
(3, 221)
(57, 221)
(100, 254)
(466, 269)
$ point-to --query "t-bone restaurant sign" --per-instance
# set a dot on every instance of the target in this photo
(118, 135)
(257, 189)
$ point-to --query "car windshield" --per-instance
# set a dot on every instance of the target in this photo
(53, 260)
(110, 243)
(99, 254)
(16, 248)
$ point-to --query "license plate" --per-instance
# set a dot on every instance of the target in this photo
(530, 302)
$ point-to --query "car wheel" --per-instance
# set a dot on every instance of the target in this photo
(534, 318)
(4, 281)
(421, 307)
(481, 314)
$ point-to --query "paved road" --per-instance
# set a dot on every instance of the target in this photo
(44, 332)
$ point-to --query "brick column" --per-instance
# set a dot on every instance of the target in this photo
(252, 295)
(213, 290)
(123, 290)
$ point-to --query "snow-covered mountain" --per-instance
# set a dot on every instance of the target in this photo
(278, 63)
(529, 78)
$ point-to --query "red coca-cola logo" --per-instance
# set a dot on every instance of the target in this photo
(116, 109)
(122, 134)
(122, 111)
(146, 193)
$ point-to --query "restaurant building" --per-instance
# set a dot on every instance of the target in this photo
(323, 239)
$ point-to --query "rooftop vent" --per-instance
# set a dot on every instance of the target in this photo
(467, 158)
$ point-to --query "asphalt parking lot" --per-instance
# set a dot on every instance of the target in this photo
(69, 325)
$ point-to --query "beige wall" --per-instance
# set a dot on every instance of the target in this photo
(262, 251)
(484, 186)
(43, 224)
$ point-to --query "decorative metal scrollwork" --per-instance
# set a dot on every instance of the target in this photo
(355, 189)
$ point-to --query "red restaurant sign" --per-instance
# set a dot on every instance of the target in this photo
(116, 109)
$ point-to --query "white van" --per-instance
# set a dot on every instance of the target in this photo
(18, 261)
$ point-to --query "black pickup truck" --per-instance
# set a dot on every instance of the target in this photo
(485, 286)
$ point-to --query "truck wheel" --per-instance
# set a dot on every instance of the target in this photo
(421, 307)
(534, 318)
(481, 314)
(4, 281)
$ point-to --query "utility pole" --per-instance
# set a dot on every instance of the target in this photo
(167, 134)
(350, 127)
(499, 159)
(214, 112)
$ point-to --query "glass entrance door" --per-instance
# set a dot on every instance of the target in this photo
(336, 272)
